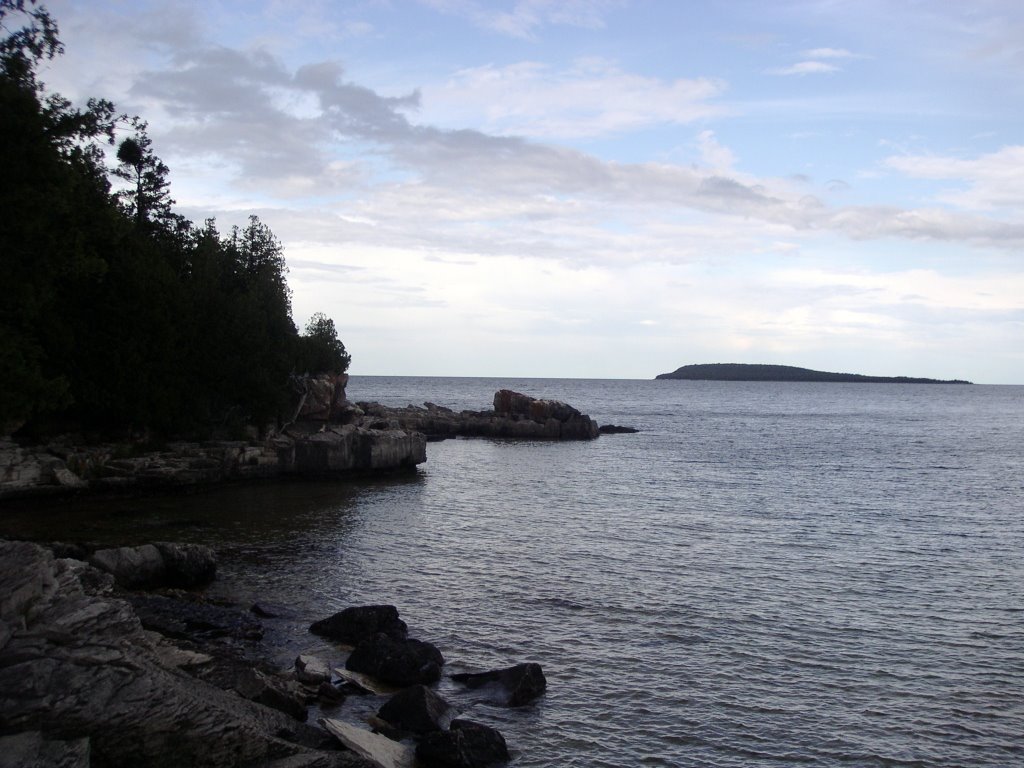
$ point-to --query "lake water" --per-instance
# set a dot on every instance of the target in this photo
(766, 575)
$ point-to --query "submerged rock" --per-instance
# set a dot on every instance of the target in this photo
(465, 745)
(397, 661)
(521, 684)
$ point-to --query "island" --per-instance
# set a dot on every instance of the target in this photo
(755, 372)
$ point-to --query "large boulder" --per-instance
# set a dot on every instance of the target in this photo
(132, 567)
(164, 564)
(399, 662)
(519, 685)
(465, 745)
(357, 623)
(416, 709)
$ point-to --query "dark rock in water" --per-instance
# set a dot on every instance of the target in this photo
(397, 661)
(615, 429)
(187, 565)
(258, 609)
(330, 693)
(523, 682)
(358, 623)
(416, 709)
(466, 745)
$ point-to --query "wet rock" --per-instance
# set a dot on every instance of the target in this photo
(614, 429)
(359, 623)
(381, 751)
(311, 670)
(466, 745)
(416, 709)
(396, 661)
(187, 565)
(330, 693)
(521, 684)
(195, 619)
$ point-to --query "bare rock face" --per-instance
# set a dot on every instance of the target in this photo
(322, 398)
(76, 667)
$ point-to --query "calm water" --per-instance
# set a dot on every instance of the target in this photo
(766, 575)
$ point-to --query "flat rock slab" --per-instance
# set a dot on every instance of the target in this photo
(367, 683)
(379, 750)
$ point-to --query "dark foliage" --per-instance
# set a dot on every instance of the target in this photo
(119, 315)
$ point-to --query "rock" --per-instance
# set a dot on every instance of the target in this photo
(322, 397)
(282, 695)
(31, 749)
(379, 750)
(131, 567)
(396, 661)
(358, 623)
(330, 693)
(65, 478)
(614, 429)
(416, 709)
(187, 565)
(194, 619)
(77, 663)
(466, 745)
(522, 683)
(507, 402)
(311, 670)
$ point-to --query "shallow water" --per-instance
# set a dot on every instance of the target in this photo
(766, 575)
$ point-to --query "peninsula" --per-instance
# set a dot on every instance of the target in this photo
(749, 372)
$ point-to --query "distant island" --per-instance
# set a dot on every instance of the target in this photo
(749, 372)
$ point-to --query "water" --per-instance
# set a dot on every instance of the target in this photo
(766, 575)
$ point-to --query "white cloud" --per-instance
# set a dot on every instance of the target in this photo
(594, 97)
(989, 182)
(525, 17)
(830, 53)
(805, 68)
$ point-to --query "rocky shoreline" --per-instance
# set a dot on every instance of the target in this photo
(329, 436)
(105, 660)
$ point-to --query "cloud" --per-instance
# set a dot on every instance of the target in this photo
(990, 182)
(593, 97)
(526, 17)
(805, 68)
(829, 53)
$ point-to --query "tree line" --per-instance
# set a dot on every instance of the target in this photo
(118, 315)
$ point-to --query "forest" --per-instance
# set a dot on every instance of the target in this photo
(119, 316)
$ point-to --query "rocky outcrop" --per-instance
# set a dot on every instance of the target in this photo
(515, 415)
(304, 449)
(79, 675)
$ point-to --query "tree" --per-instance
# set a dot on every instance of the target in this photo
(320, 349)
(148, 200)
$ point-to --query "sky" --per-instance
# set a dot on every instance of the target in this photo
(601, 188)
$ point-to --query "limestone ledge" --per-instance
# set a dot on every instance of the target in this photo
(304, 449)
